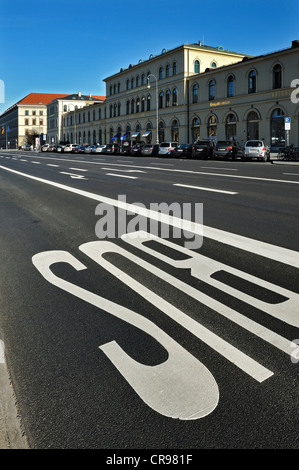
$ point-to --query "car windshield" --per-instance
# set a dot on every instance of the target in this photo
(183, 146)
(254, 143)
(202, 142)
(165, 144)
(226, 143)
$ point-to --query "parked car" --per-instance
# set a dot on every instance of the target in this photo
(45, 148)
(89, 148)
(126, 147)
(256, 149)
(167, 148)
(203, 148)
(183, 151)
(136, 149)
(70, 147)
(99, 149)
(150, 150)
(51, 148)
(59, 148)
(226, 149)
(112, 148)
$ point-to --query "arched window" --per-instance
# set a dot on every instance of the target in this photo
(114, 110)
(252, 126)
(161, 132)
(142, 79)
(195, 130)
(195, 93)
(100, 137)
(277, 76)
(137, 80)
(211, 90)
(148, 103)
(196, 66)
(132, 82)
(132, 106)
(161, 99)
(94, 138)
(213, 65)
(111, 110)
(118, 88)
(175, 97)
(231, 86)
(230, 127)
(160, 73)
(167, 71)
(111, 134)
(212, 126)
(128, 84)
(114, 89)
(175, 131)
(174, 68)
(167, 100)
(277, 128)
(137, 105)
(118, 109)
(128, 107)
(252, 81)
(142, 104)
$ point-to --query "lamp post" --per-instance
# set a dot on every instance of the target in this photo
(157, 107)
(75, 127)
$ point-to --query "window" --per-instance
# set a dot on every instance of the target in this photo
(161, 132)
(132, 82)
(252, 126)
(212, 126)
(213, 65)
(252, 82)
(174, 68)
(94, 114)
(137, 80)
(114, 89)
(114, 110)
(137, 105)
(111, 110)
(167, 71)
(211, 90)
(118, 88)
(175, 131)
(26, 113)
(128, 84)
(132, 106)
(41, 113)
(128, 107)
(160, 73)
(26, 122)
(167, 101)
(99, 114)
(34, 122)
(195, 130)
(142, 104)
(277, 128)
(230, 127)
(195, 93)
(161, 99)
(142, 79)
(118, 109)
(230, 86)
(41, 122)
(196, 66)
(148, 103)
(33, 113)
(277, 76)
(175, 97)
(110, 90)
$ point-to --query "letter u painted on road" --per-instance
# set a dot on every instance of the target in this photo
(181, 387)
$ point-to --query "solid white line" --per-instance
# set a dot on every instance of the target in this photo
(77, 169)
(204, 189)
(122, 176)
(2, 356)
(295, 174)
(277, 253)
(125, 171)
(37, 163)
(214, 168)
(50, 164)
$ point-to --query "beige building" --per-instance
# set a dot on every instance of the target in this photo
(64, 117)
(197, 91)
(29, 115)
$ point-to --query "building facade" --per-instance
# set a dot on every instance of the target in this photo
(195, 91)
(27, 116)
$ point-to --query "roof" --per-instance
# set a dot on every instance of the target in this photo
(76, 96)
(40, 98)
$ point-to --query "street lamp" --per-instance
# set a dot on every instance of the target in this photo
(157, 108)
(75, 128)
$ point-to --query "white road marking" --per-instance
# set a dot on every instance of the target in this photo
(77, 169)
(37, 163)
(125, 171)
(277, 253)
(204, 189)
(51, 164)
(72, 175)
(214, 168)
(2, 355)
(122, 176)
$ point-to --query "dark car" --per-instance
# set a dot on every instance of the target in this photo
(150, 150)
(126, 147)
(111, 148)
(203, 149)
(136, 149)
(226, 149)
(183, 151)
(80, 149)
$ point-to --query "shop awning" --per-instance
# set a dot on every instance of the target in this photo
(116, 136)
(146, 134)
(136, 134)
(125, 135)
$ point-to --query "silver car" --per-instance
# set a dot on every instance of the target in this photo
(256, 149)
(167, 148)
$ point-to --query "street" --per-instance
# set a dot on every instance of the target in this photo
(182, 336)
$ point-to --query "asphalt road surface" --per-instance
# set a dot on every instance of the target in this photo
(125, 331)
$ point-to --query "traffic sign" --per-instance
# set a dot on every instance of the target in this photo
(287, 123)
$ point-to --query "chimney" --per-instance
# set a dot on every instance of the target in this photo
(79, 94)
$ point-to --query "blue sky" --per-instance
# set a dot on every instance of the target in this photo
(69, 46)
